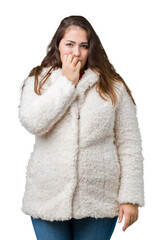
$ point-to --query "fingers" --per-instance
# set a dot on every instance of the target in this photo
(71, 67)
(75, 60)
(131, 214)
(120, 215)
(127, 219)
(65, 58)
(78, 65)
(127, 222)
(69, 58)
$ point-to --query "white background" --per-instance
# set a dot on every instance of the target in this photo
(131, 33)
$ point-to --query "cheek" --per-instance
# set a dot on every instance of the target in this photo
(85, 56)
(64, 51)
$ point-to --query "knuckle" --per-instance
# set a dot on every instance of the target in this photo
(127, 223)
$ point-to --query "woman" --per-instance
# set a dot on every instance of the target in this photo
(86, 168)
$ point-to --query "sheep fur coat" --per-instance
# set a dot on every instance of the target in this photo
(87, 156)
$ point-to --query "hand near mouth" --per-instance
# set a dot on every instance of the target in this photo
(71, 68)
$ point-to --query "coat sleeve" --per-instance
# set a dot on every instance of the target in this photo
(38, 113)
(129, 149)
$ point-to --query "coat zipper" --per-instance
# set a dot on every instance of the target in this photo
(78, 117)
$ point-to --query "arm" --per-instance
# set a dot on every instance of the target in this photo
(129, 147)
(38, 113)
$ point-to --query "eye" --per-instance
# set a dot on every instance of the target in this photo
(69, 44)
(85, 46)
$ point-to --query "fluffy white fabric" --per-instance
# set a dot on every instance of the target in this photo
(83, 166)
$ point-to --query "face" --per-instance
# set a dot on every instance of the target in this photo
(75, 42)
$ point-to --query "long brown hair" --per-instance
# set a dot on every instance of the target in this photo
(97, 60)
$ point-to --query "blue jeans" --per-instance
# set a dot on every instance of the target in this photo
(77, 229)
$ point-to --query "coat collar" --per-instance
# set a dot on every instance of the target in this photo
(88, 80)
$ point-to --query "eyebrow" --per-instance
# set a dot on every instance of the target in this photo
(74, 42)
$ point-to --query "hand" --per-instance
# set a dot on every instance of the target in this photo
(71, 68)
(131, 214)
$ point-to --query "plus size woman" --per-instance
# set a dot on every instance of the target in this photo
(86, 167)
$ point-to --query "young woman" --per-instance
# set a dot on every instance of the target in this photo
(86, 168)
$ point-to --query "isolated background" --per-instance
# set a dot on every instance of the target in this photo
(131, 33)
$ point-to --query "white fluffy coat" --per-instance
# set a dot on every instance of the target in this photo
(87, 157)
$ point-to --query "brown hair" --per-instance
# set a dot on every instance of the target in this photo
(97, 59)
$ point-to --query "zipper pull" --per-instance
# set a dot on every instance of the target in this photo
(78, 115)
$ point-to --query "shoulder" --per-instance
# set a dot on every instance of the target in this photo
(119, 89)
(123, 96)
(30, 79)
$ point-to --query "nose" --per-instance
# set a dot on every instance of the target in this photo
(76, 51)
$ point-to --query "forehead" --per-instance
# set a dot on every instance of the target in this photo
(75, 32)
